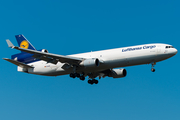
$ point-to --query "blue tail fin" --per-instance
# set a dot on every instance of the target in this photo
(23, 56)
(23, 42)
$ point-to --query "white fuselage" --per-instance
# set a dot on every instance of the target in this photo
(112, 58)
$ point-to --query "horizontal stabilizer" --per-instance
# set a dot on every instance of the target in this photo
(20, 64)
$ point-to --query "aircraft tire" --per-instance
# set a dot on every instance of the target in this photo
(72, 75)
(152, 69)
(90, 82)
(77, 75)
(82, 78)
(96, 81)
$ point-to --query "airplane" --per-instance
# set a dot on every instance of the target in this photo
(104, 63)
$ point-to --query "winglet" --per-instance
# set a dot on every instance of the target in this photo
(9, 43)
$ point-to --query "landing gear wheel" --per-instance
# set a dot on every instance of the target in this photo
(93, 81)
(82, 78)
(77, 75)
(72, 75)
(90, 82)
(152, 69)
(96, 81)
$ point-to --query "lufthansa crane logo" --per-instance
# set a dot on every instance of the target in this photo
(24, 44)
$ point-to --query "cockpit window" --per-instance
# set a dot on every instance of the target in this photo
(169, 47)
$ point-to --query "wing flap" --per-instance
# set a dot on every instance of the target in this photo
(20, 64)
(47, 59)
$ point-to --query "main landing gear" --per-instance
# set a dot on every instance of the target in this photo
(152, 69)
(80, 76)
(93, 81)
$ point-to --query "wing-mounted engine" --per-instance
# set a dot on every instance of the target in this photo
(118, 73)
(92, 62)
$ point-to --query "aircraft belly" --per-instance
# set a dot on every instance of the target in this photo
(42, 68)
(116, 62)
(140, 58)
(163, 56)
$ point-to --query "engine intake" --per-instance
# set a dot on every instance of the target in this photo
(93, 62)
(118, 73)
(44, 50)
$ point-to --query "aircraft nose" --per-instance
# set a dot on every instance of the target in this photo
(175, 51)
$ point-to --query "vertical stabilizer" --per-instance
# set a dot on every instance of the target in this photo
(23, 42)
(22, 57)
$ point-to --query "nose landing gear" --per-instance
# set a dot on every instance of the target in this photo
(152, 69)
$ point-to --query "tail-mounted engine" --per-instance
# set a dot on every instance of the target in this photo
(44, 50)
(92, 62)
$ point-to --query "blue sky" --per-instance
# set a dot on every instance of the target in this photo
(68, 27)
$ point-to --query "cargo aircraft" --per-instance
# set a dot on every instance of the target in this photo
(92, 64)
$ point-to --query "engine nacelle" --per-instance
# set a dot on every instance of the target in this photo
(118, 73)
(92, 62)
(44, 50)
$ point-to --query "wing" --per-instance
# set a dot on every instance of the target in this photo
(49, 57)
